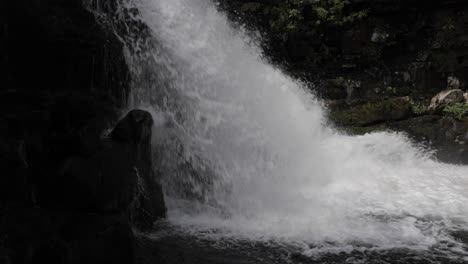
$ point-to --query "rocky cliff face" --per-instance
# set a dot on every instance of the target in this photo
(364, 56)
(74, 180)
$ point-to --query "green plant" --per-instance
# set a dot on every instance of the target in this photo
(288, 15)
(418, 108)
(334, 12)
(458, 111)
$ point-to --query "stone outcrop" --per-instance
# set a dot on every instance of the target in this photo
(134, 133)
(446, 98)
(448, 136)
(371, 112)
(92, 204)
(69, 191)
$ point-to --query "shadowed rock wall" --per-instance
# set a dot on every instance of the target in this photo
(71, 191)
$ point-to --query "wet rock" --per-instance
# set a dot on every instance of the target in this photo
(28, 232)
(372, 112)
(37, 236)
(251, 7)
(463, 159)
(453, 83)
(53, 145)
(379, 35)
(97, 238)
(77, 123)
(444, 99)
(72, 52)
(106, 182)
(119, 176)
(15, 185)
(444, 134)
(135, 131)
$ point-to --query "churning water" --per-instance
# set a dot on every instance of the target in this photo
(246, 152)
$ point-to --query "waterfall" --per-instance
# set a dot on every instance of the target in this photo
(246, 150)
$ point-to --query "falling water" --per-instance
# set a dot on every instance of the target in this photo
(246, 150)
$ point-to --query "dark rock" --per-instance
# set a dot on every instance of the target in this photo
(26, 231)
(65, 80)
(106, 182)
(75, 131)
(71, 51)
(113, 245)
(15, 186)
(98, 238)
(77, 123)
(372, 112)
(135, 128)
(444, 99)
(134, 131)
(120, 176)
(40, 236)
(51, 251)
(463, 158)
(444, 134)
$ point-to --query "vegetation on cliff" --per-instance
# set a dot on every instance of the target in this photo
(288, 15)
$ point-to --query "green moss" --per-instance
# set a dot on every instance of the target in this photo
(287, 15)
(373, 112)
(458, 111)
(334, 12)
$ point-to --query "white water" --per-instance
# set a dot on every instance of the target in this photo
(270, 167)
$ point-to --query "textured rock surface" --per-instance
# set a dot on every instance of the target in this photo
(372, 112)
(446, 98)
(134, 132)
(68, 191)
(87, 213)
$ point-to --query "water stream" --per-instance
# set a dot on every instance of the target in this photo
(246, 152)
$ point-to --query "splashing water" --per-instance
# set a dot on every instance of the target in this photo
(251, 147)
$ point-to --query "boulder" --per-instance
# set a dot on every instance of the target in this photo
(134, 131)
(106, 182)
(453, 83)
(465, 95)
(444, 99)
(446, 135)
(135, 128)
(120, 177)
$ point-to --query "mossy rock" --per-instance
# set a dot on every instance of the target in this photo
(373, 112)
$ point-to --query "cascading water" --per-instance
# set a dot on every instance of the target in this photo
(246, 150)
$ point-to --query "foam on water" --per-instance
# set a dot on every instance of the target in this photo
(268, 165)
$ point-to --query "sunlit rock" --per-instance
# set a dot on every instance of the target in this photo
(445, 98)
